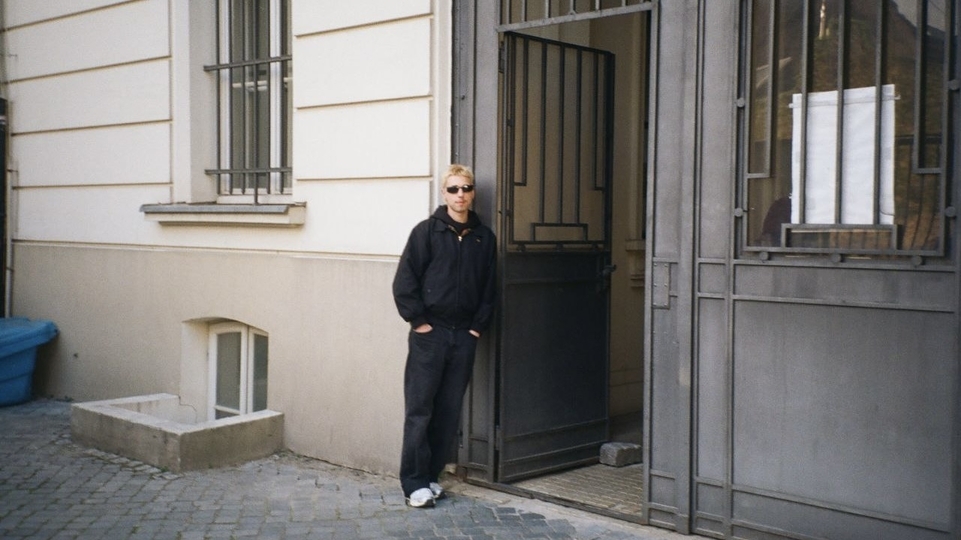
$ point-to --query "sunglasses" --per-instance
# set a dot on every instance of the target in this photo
(466, 188)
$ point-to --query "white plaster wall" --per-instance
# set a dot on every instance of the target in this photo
(130, 154)
(323, 15)
(370, 140)
(386, 61)
(20, 12)
(125, 94)
(111, 109)
(125, 33)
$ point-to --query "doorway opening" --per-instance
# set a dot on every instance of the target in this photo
(568, 406)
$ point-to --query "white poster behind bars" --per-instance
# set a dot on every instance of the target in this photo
(857, 157)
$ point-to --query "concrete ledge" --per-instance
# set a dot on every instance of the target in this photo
(272, 215)
(157, 430)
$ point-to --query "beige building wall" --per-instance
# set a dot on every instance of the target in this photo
(111, 110)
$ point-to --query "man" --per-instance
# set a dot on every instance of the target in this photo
(444, 287)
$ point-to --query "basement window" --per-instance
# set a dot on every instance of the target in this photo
(238, 370)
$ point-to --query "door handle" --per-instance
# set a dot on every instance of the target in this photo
(604, 278)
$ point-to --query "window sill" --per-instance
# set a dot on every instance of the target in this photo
(256, 215)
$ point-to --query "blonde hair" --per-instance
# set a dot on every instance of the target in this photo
(457, 169)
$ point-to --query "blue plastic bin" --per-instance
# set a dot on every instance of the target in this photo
(19, 339)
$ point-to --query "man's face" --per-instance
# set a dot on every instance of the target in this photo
(459, 201)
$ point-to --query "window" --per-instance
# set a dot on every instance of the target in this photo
(844, 128)
(238, 370)
(254, 78)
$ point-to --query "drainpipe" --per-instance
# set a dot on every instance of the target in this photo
(6, 253)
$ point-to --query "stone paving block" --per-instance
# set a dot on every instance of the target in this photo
(619, 454)
(52, 488)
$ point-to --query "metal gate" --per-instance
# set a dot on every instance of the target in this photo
(555, 253)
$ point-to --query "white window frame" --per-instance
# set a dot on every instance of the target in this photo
(247, 336)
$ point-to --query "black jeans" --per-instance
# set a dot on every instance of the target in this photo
(439, 366)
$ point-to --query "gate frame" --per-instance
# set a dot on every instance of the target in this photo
(476, 57)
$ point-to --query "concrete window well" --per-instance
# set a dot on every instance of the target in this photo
(156, 429)
(219, 416)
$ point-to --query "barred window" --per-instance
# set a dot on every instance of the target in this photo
(254, 78)
(845, 127)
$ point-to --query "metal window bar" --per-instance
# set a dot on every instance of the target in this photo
(950, 78)
(919, 71)
(839, 111)
(578, 129)
(770, 95)
(509, 21)
(878, 84)
(561, 91)
(243, 173)
(543, 136)
(773, 78)
(805, 83)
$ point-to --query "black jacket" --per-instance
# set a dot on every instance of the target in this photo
(447, 279)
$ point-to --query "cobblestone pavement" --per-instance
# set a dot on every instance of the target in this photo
(53, 488)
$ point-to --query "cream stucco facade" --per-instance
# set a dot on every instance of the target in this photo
(110, 110)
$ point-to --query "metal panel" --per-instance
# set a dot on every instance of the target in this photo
(921, 289)
(826, 395)
(845, 406)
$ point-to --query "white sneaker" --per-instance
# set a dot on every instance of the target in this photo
(437, 490)
(422, 498)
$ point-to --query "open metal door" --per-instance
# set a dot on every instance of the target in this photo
(555, 255)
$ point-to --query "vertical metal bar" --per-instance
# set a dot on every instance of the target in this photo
(595, 108)
(579, 133)
(245, 45)
(608, 150)
(257, 131)
(510, 138)
(744, 28)
(525, 108)
(543, 133)
(949, 57)
(878, 103)
(747, 95)
(919, 69)
(805, 82)
(839, 111)
(547, 9)
(223, 93)
(571, 7)
(562, 136)
(772, 81)
(270, 67)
